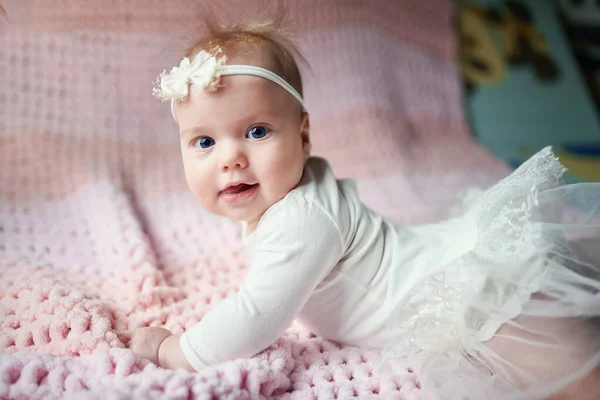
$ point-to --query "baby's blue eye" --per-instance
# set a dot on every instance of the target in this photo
(257, 132)
(204, 142)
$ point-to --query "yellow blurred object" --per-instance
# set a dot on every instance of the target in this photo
(585, 168)
(493, 39)
(480, 60)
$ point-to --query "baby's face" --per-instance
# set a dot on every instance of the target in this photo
(243, 146)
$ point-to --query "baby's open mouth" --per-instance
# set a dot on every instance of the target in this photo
(242, 187)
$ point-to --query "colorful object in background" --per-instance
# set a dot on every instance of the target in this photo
(583, 24)
(581, 159)
(485, 58)
(581, 167)
(524, 88)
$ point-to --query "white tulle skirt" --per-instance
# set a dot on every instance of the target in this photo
(512, 310)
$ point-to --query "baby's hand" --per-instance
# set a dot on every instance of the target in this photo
(145, 342)
(160, 346)
(170, 355)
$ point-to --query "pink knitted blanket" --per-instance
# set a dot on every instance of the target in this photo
(99, 235)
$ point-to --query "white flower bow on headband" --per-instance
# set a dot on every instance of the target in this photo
(204, 72)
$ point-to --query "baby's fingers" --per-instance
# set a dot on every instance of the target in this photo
(142, 347)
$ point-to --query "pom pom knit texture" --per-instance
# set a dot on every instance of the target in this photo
(99, 234)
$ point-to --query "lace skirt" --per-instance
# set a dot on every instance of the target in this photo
(509, 304)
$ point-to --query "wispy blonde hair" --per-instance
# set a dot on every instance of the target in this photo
(266, 44)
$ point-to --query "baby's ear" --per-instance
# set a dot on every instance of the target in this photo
(305, 134)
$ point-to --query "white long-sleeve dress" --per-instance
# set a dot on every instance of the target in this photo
(502, 300)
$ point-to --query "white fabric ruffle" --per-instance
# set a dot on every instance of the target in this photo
(511, 309)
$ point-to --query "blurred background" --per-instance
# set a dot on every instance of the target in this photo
(531, 70)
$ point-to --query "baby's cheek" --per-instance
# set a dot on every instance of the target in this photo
(192, 183)
(207, 201)
(201, 191)
(286, 173)
(199, 185)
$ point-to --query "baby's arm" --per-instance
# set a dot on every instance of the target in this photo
(297, 246)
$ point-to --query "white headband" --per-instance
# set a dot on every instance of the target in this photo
(205, 71)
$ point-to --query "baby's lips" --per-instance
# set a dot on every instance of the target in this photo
(237, 188)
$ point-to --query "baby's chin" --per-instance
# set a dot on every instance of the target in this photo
(248, 213)
(246, 216)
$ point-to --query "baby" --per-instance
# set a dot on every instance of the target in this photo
(495, 302)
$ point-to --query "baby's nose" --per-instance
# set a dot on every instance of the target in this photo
(234, 158)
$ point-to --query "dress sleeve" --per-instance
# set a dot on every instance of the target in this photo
(297, 245)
